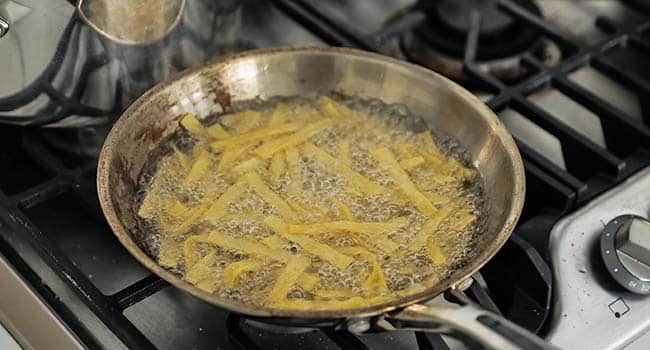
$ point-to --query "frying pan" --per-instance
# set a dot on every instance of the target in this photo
(446, 108)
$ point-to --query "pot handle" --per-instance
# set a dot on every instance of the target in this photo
(468, 322)
(4, 26)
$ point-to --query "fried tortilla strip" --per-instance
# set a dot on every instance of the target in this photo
(258, 185)
(203, 275)
(354, 178)
(170, 252)
(334, 109)
(343, 209)
(464, 220)
(289, 276)
(376, 281)
(269, 148)
(295, 173)
(217, 132)
(352, 303)
(382, 244)
(190, 254)
(251, 137)
(412, 163)
(308, 281)
(277, 167)
(249, 246)
(429, 228)
(311, 246)
(230, 156)
(233, 271)
(435, 252)
(350, 226)
(220, 207)
(182, 158)
(250, 119)
(344, 152)
(194, 216)
(193, 125)
(199, 168)
(247, 166)
(280, 114)
(386, 158)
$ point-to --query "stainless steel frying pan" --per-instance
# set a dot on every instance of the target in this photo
(446, 107)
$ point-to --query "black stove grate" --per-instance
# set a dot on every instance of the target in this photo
(106, 314)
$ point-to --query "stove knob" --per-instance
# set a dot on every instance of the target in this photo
(625, 247)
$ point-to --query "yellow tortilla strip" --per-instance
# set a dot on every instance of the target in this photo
(202, 274)
(277, 167)
(258, 185)
(216, 131)
(250, 120)
(190, 255)
(320, 250)
(200, 167)
(463, 221)
(247, 166)
(233, 271)
(351, 226)
(254, 136)
(334, 165)
(280, 114)
(344, 152)
(220, 207)
(334, 109)
(269, 148)
(386, 158)
(230, 156)
(435, 253)
(411, 163)
(295, 173)
(182, 158)
(193, 125)
(308, 281)
(249, 246)
(376, 281)
(352, 303)
(429, 228)
(344, 210)
(170, 252)
(194, 216)
(288, 278)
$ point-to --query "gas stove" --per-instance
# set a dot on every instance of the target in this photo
(568, 79)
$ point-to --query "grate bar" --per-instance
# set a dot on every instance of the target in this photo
(345, 340)
(139, 291)
(621, 74)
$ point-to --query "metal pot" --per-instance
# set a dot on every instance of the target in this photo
(446, 108)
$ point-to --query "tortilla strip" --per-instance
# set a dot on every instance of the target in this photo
(334, 165)
(308, 281)
(258, 185)
(246, 166)
(193, 125)
(309, 245)
(376, 281)
(193, 217)
(233, 271)
(170, 252)
(351, 226)
(249, 246)
(344, 152)
(277, 167)
(216, 131)
(280, 114)
(463, 221)
(250, 120)
(269, 148)
(411, 163)
(182, 158)
(202, 274)
(386, 158)
(344, 210)
(289, 276)
(199, 168)
(230, 155)
(220, 207)
(189, 254)
(334, 109)
(429, 228)
(254, 136)
(435, 252)
(295, 173)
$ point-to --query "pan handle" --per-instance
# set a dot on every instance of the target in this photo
(468, 322)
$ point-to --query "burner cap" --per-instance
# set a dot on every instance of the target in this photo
(500, 35)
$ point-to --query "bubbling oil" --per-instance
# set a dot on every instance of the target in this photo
(187, 200)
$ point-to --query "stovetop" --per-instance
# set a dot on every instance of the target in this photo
(575, 99)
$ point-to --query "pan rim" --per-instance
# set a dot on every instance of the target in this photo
(473, 265)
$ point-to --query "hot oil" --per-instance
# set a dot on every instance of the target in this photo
(316, 195)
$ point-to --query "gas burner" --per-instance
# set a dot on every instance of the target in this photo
(439, 42)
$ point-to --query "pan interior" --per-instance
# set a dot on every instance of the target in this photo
(444, 107)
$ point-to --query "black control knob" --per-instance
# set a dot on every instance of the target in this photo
(625, 247)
